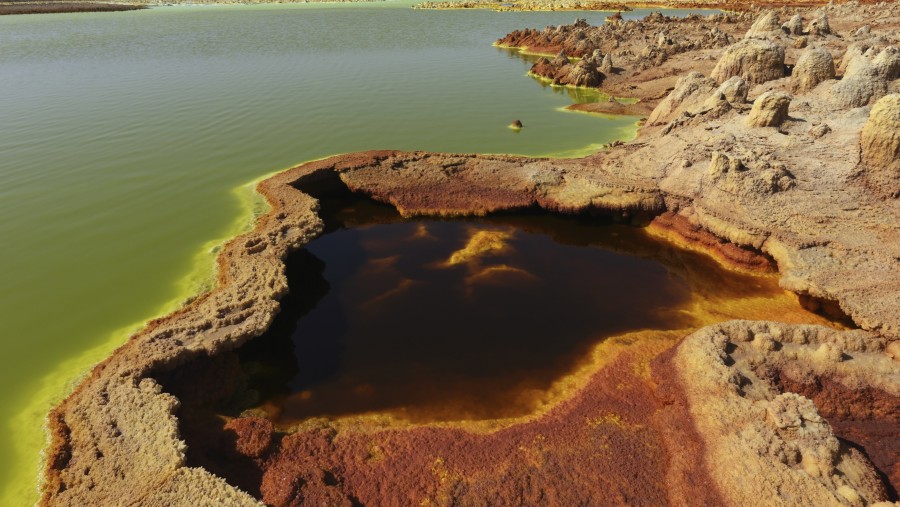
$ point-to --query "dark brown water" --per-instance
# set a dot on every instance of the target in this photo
(464, 319)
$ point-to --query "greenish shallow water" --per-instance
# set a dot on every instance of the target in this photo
(128, 143)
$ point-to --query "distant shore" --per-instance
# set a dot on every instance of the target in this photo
(9, 8)
(63, 6)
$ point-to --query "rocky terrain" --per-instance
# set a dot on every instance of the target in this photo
(599, 5)
(529, 5)
(770, 139)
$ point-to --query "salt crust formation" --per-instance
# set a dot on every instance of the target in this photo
(815, 195)
(767, 444)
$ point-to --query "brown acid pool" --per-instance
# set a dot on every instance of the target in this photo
(447, 320)
(508, 359)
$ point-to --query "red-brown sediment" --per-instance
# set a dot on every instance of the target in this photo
(687, 475)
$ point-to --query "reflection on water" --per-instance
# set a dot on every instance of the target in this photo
(466, 319)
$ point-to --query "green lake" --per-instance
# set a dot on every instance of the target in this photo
(129, 143)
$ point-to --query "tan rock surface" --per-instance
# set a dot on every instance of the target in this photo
(814, 66)
(881, 147)
(754, 60)
(734, 90)
(794, 26)
(765, 25)
(866, 78)
(769, 110)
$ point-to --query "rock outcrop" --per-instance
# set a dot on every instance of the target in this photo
(561, 59)
(819, 25)
(645, 43)
(794, 26)
(769, 110)
(606, 66)
(583, 73)
(866, 80)
(734, 90)
(586, 73)
(689, 92)
(729, 174)
(814, 66)
(766, 25)
(880, 142)
(754, 60)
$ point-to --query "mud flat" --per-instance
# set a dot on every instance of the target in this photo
(776, 149)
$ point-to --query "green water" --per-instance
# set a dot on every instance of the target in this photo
(128, 142)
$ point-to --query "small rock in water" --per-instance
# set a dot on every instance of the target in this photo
(516, 124)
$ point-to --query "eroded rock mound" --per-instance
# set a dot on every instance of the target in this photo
(584, 73)
(814, 66)
(734, 90)
(754, 60)
(794, 26)
(819, 25)
(690, 91)
(561, 59)
(764, 26)
(880, 142)
(866, 80)
(544, 68)
(606, 66)
(769, 110)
